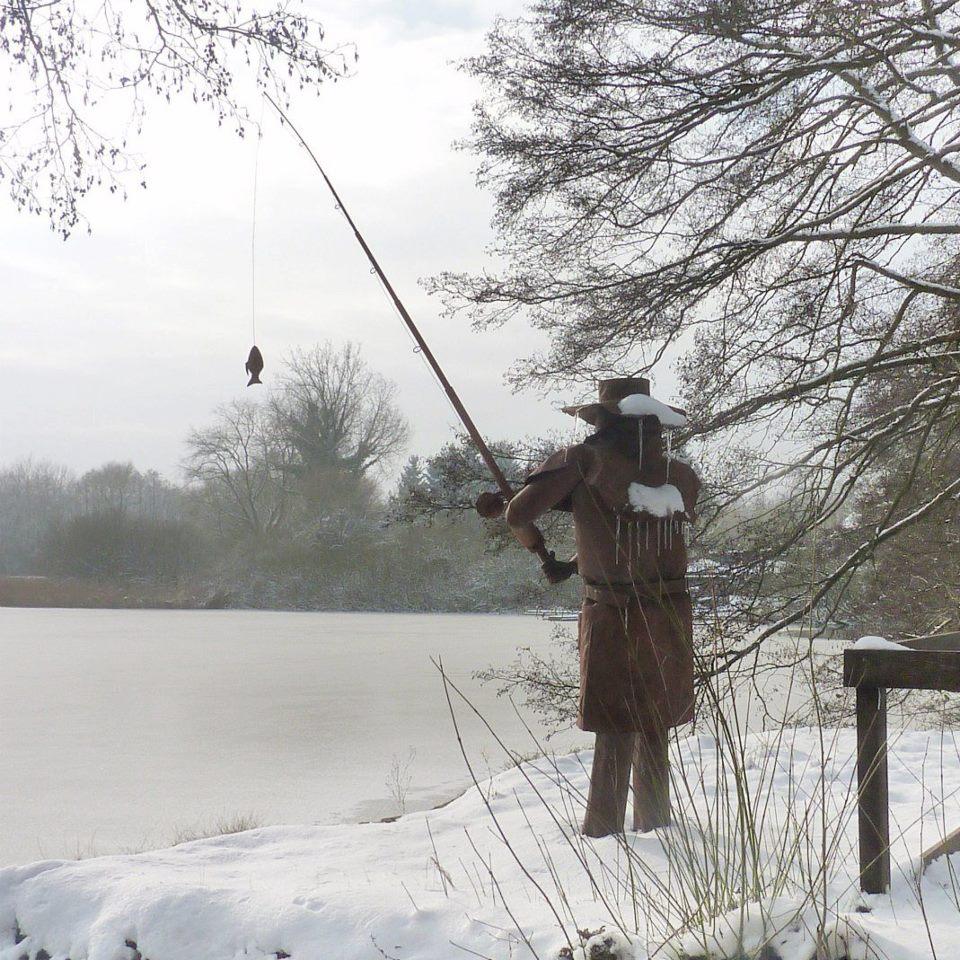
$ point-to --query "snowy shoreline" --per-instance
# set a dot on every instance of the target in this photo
(501, 872)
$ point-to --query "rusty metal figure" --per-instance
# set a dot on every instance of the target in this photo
(630, 501)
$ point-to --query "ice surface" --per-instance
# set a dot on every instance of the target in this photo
(131, 726)
(640, 405)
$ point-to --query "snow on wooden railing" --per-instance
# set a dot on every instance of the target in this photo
(874, 665)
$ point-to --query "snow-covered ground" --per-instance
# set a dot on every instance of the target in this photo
(501, 872)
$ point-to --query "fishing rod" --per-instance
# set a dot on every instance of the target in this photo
(503, 483)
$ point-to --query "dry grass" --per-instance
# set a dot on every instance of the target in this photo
(219, 827)
(70, 592)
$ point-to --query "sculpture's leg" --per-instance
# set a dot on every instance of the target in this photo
(609, 782)
(651, 781)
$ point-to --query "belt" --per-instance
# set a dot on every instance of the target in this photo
(623, 594)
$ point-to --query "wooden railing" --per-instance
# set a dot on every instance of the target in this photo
(931, 663)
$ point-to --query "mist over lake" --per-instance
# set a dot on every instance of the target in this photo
(124, 727)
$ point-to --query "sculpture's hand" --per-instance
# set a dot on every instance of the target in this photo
(491, 505)
(556, 571)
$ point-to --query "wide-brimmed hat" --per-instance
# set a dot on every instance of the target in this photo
(628, 397)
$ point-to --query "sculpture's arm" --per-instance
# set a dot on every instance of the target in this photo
(547, 487)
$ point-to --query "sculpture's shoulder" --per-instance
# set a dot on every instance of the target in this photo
(607, 474)
(684, 476)
(686, 480)
(567, 468)
(573, 459)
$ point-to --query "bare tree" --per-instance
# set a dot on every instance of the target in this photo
(911, 584)
(768, 191)
(240, 464)
(330, 423)
(122, 488)
(33, 494)
(79, 78)
(112, 487)
(337, 415)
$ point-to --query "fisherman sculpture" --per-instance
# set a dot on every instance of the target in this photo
(630, 501)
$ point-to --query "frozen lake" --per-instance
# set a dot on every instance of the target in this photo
(119, 728)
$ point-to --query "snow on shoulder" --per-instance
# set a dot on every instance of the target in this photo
(878, 643)
(640, 405)
(662, 501)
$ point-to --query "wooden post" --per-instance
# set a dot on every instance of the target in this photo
(651, 782)
(872, 800)
(926, 663)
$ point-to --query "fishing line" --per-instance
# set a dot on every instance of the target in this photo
(253, 228)
(396, 310)
(414, 344)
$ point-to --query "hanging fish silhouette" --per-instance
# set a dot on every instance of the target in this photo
(254, 365)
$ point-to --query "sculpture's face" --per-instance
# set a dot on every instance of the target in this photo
(652, 427)
(627, 433)
(606, 420)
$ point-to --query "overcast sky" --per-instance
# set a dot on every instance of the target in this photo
(116, 344)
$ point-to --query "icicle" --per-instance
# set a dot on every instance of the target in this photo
(646, 535)
(575, 437)
(659, 524)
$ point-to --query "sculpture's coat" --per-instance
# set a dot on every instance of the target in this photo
(635, 632)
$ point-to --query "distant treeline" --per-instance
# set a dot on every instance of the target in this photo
(282, 505)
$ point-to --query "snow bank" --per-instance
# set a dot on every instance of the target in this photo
(640, 405)
(662, 501)
(449, 883)
(878, 643)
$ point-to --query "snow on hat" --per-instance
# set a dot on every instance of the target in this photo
(628, 397)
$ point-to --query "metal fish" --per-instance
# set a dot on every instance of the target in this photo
(254, 365)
